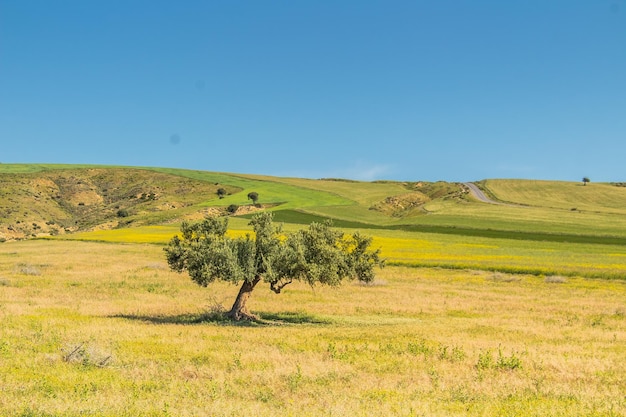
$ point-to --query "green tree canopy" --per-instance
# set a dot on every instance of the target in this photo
(254, 196)
(318, 254)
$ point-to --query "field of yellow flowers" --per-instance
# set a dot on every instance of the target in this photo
(447, 251)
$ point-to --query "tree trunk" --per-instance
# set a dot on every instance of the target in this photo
(239, 310)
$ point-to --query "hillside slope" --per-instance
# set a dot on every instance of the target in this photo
(42, 200)
(600, 197)
(51, 202)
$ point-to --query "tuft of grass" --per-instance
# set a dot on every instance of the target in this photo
(487, 361)
(375, 283)
(502, 277)
(86, 355)
(555, 279)
(28, 269)
(511, 362)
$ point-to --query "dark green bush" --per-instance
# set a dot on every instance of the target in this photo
(122, 213)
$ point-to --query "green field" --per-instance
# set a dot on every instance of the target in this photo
(484, 310)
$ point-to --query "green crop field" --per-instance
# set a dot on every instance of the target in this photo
(483, 310)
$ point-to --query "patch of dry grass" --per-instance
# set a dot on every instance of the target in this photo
(425, 342)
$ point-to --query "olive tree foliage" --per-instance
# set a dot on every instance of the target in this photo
(254, 196)
(317, 254)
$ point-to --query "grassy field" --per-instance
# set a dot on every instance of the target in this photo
(484, 310)
(418, 249)
(101, 329)
(604, 198)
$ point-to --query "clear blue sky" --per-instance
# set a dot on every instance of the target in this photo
(454, 90)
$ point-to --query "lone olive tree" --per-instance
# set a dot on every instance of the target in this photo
(586, 180)
(317, 254)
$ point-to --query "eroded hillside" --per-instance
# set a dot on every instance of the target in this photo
(63, 201)
(412, 203)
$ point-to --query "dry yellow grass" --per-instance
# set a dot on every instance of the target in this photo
(418, 342)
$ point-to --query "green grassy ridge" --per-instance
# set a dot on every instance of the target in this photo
(270, 192)
(348, 204)
(459, 216)
(529, 219)
(300, 217)
(599, 197)
(359, 192)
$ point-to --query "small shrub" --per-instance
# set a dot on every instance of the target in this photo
(508, 362)
(419, 348)
(485, 360)
(122, 213)
(232, 209)
(456, 354)
(123, 223)
(294, 379)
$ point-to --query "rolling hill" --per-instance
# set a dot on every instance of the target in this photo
(42, 200)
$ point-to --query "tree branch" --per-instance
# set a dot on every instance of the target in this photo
(280, 286)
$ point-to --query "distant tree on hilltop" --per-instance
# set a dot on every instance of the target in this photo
(254, 196)
(586, 180)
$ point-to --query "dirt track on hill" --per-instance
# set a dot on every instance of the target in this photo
(479, 195)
